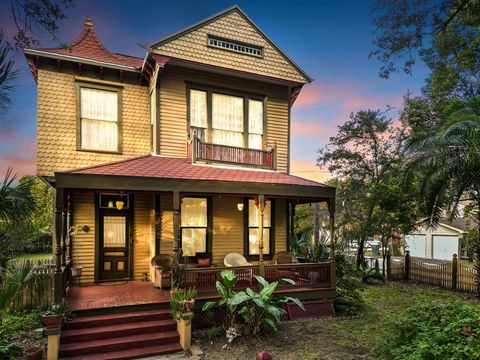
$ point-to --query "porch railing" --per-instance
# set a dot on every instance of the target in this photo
(303, 275)
(232, 154)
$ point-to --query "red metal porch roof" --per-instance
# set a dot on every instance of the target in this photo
(154, 166)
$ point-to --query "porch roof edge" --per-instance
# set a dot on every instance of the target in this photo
(141, 183)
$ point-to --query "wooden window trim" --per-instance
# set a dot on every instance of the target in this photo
(92, 85)
(209, 225)
(246, 227)
(230, 92)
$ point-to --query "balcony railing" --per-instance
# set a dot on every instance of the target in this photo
(202, 151)
(304, 275)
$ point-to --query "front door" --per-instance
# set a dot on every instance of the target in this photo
(114, 245)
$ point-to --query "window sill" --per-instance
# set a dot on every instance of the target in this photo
(101, 151)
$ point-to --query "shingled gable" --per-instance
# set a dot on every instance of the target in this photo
(232, 24)
(89, 49)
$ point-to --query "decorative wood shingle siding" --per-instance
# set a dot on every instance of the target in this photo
(57, 124)
(280, 225)
(83, 250)
(227, 230)
(143, 234)
(232, 26)
(173, 109)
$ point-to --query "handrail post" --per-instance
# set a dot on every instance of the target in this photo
(454, 271)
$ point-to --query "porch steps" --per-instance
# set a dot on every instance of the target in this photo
(118, 336)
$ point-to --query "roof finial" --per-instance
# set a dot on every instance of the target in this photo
(89, 22)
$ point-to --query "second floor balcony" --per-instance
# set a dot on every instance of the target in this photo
(225, 154)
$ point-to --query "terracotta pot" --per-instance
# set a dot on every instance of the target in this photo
(34, 353)
(52, 321)
(76, 271)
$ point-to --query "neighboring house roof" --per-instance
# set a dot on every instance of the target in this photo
(154, 166)
(88, 47)
(460, 224)
(214, 17)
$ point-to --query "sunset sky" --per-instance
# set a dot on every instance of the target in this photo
(330, 40)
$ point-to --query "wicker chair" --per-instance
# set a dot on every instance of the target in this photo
(234, 259)
(284, 257)
(162, 270)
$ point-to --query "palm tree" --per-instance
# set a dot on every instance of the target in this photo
(446, 160)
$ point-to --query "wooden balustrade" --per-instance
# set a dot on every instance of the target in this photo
(304, 275)
(232, 154)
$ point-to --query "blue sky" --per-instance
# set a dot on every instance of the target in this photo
(330, 40)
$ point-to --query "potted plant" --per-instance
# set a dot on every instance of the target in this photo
(182, 302)
(55, 315)
(34, 353)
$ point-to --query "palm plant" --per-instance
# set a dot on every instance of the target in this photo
(446, 160)
(16, 202)
(12, 280)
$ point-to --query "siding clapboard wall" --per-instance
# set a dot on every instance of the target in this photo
(166, 215)
(143, 234)
(173, 109)
(280, 225)
(83, 250)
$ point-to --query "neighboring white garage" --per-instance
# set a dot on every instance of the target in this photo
(439, 243)
(417, 244)
(444, 246)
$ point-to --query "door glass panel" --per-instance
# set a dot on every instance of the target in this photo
(114, 231)
(107, 266)
(120, 265)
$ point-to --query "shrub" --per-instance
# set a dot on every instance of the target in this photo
(181, 303)
(214, 332)
(433, 331)
(348, 299)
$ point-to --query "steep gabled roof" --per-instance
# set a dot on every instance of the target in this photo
(212, 18)
(88, 47)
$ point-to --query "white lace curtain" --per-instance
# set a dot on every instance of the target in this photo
(114, 231)
(99, 119)
(255, 124)
(227, 120)
(253, 238)
(194, 218)
(198, 108)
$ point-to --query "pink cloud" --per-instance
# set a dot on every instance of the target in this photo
(308, 170)
(19, 152)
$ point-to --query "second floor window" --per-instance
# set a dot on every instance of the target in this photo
(227, 119)
(99, 126)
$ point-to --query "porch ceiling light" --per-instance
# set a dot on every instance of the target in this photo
(119, 204)
(240, 206)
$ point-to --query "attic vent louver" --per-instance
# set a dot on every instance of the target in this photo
(235, 46)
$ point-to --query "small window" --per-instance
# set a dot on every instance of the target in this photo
(99, 128)
(253, 238)
(235, 46)
(194, 223)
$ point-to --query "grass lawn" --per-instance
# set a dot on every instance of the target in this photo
(337, 338)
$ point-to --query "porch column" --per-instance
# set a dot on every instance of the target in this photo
(176, 221)
(57, 237)
(64, 236)
(331, 209)
(261, 208)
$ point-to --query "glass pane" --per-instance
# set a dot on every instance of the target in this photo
(255, 141)
(107, 266)
(227, 112)
(114, 231)
(99, 104)
(198, 108)
(194, 212)
(253, 241)
(253, 214)
(120, 265)
(231, 138)
(99, 135)
(193, 241)
(255, 117)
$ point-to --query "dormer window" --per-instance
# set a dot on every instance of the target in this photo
(99, 119)
(235, 46)
(227, 118)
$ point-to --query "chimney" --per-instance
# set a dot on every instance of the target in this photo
(88, 23)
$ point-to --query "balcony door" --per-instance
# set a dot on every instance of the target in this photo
(114, 245)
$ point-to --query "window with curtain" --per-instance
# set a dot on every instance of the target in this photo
(227, 119)
(114, 231)
(194, 222)
(253, 238)
(198, 112)
(98, 119)
(255, 124)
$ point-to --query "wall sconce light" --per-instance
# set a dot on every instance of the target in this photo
(240, 206)
(119, 204)
(86, 228)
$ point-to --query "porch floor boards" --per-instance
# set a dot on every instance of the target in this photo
(92, 297)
